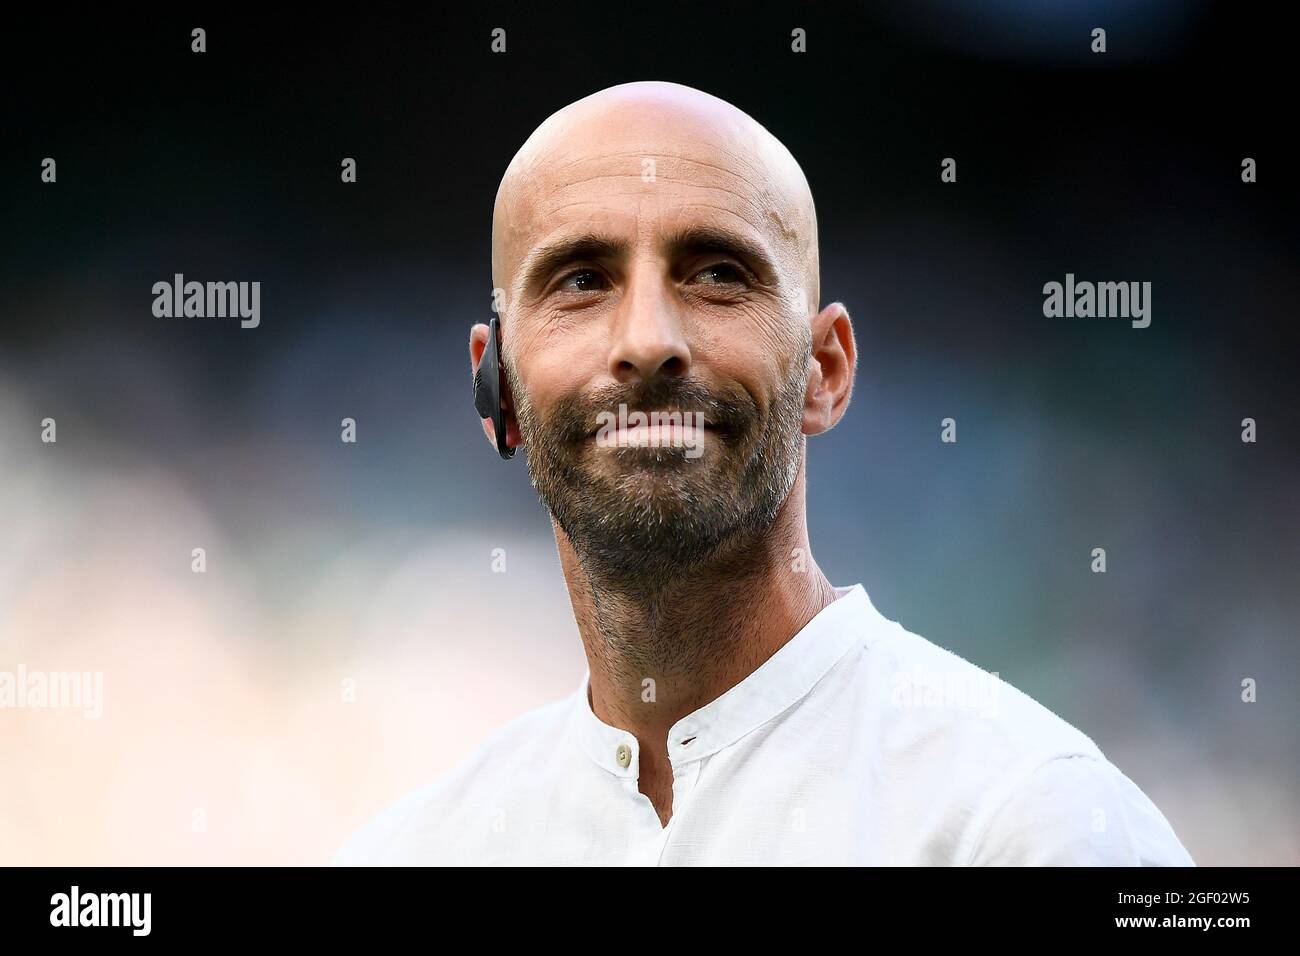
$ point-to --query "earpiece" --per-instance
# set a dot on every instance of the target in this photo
(488, 389)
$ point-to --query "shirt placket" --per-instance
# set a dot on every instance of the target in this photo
(651, 838)
(685, 777)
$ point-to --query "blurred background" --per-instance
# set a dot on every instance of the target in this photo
(349, 640)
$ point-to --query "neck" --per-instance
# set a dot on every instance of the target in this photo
(657, 653)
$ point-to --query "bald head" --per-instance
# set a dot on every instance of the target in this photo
(655, 251)
(654, 157)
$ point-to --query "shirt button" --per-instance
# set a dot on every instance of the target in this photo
(624, 755)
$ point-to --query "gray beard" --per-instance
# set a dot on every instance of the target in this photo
(661, 518)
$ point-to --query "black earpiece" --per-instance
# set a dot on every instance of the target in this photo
(488, 389)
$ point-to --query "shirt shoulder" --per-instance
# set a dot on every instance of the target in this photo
(1078, 811)
(415, 828)
(1021, 785)
(938, 696)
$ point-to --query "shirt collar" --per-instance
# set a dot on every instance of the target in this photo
(780, 681)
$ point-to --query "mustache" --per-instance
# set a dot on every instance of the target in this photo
(574, 418)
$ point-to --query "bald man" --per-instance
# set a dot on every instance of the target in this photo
(665, 356)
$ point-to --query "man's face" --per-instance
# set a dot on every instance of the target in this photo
(658, 279)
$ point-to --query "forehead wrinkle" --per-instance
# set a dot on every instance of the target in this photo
(762, 216)
(657, 153)
(556, 163)
(758, 220)
(753, 178)
(670, 223)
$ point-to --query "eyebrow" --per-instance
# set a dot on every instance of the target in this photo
(545, 260)
(701, 240)
(695, 240)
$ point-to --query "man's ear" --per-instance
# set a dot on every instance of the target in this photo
(478, 338)
(834, 364)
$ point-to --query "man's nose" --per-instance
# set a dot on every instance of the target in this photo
(648, 334)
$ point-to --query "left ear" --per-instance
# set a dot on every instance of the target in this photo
(834, 363)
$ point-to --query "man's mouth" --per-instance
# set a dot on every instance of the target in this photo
(655, 430)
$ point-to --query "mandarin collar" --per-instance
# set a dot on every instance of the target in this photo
(776, 685)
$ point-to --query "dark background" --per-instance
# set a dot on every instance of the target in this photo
(1073, 433)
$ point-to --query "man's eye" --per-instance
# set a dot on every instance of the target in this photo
(720, 273)
(582, 280)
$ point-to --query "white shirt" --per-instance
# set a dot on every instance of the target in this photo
(857, 743)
